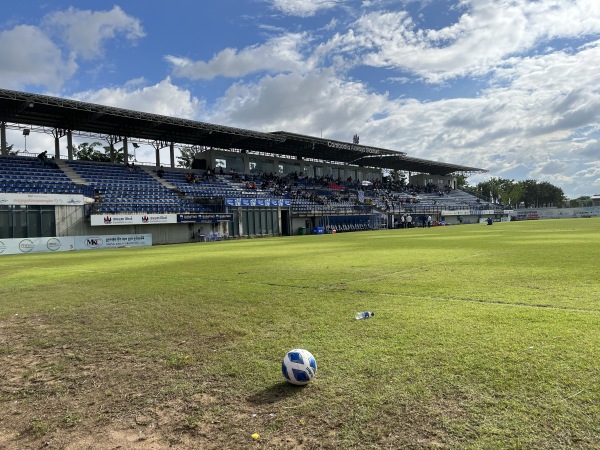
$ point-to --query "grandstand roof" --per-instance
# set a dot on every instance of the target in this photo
(46, 112)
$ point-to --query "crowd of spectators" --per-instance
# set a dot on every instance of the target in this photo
(385, 194)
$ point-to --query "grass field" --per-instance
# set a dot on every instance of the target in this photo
(483, 337)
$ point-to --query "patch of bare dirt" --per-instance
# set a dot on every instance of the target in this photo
(61, 393)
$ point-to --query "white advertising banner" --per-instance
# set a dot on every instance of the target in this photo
(112, 241)
(41, 199)
(456, 212)
(132, 219)
(556, 213)
(36, 245)
(63, 244)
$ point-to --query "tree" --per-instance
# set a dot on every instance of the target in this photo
(9, 150)
(88, 152)
(187, 156)
(461, 181)
(544, 194)
(550, 195)
(492, 190)
(584, 200)
(511, 193)
(119, 154)
(398, 176)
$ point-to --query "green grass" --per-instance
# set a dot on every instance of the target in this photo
(484, 337)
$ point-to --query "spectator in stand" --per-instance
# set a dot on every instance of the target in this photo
(160, 172)
(52, 163)
(43, 158)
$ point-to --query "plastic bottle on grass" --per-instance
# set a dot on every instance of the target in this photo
(364, 315)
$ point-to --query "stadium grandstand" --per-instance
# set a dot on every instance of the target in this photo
(242, 183)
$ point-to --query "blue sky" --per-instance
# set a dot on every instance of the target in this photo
(512, 86)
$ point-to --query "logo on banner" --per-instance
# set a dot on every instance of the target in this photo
(26, 245)
(93, 242)
(2, 247)
(145, 219)
(107, 220)
(53, 244)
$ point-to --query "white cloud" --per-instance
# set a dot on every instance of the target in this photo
(300, 103)
(85, 32)
(478, 42)
(279, 54)
(304, 8)
(35, 61)
(163, 98)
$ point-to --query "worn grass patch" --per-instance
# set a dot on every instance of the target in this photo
(484, 337)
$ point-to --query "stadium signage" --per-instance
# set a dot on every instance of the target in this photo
(195, 218)
(41, 199)
(456, 212)
(556, 213)
(112, 241)
(54, 244)
(283, 202)
(356, 148)
(132, 219)
(36, 245)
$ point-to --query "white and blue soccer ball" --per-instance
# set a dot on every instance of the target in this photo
(299, 366)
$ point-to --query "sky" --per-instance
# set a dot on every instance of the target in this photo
(511, 86)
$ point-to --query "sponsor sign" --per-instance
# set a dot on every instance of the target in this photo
(456, 212)
(556, 213)
(132, 219)
(283, 202)
(36, 245)
(204, 217)
(112, 241)
(63, 244)
(40, 199)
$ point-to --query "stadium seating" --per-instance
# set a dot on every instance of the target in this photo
(122, 189)
(132, 190)
(20, 174)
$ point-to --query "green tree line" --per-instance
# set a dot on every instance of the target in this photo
(514, 194)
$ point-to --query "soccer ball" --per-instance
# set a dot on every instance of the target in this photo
(299, 366)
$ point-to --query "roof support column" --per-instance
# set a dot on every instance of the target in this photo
(70, 145)
(57, 133)
(246, 160)
(4, 150)
(57, 147)
(125, 151)
(172, 154)
(157, 152)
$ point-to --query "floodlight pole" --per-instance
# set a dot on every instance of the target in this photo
(25, 134)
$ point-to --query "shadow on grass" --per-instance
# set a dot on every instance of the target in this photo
(275, 393)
